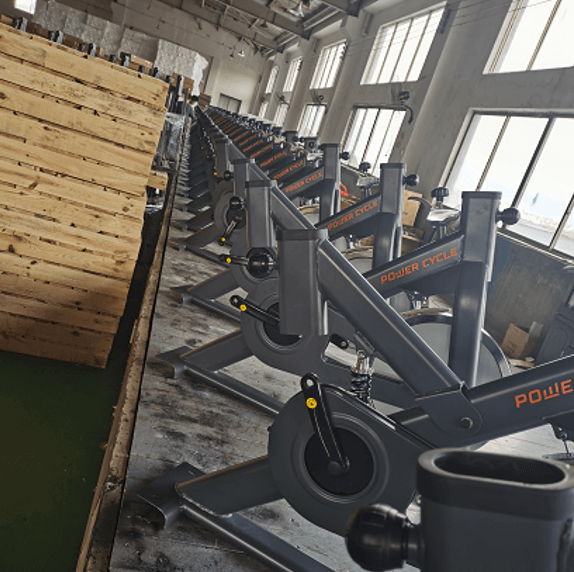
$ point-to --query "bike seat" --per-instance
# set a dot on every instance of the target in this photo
(442, 217)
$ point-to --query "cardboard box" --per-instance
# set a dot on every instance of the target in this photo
(410, 208)
(519, 343)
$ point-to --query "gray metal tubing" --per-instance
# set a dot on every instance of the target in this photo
(203, 237)
(405, 351)
(497, 404)
(251, 484)
(247, 536)
(254, 540)
(212, 288)
(468, 318)
(285, 213)
(236, 389)
(220, 353)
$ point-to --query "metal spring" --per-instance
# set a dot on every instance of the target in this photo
(361, 386)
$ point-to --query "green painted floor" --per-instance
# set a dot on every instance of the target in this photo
(54, 417)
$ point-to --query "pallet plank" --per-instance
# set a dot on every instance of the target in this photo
(91, 70)
(42, 81)
(57, 333)
(73, 277)
(29, 345)
(31, 308)
(73, 143)
(34, 248)
(157, 180)
(113, 202)
(67, 213)
(85, 121)
(66, 296)
(104, 175)
(77, 238)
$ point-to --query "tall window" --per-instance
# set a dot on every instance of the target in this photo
(25, 5)
(263, 109)
(371, 135)
(311, 120)
(528, 159)
(400, 49)
(281, 113)
(536, 35)
(292, 73)
(328, 66)
(272, 79)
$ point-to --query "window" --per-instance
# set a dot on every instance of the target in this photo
(272, 79)
(311, 120)
(528, 158)
(537, 35)
(263, 109)
(371, 135)
(328, 66)
(281, 113)
(400, 49)
(292, 73)
(25, 5)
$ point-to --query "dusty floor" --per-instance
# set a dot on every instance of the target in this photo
(183, 420)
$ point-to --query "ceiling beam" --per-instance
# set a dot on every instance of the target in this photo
(271, 17)
(347, 6)
(212, 16)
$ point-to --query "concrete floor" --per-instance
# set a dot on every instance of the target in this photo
(184, 420)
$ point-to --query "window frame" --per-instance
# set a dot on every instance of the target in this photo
(264, 105)
(326, 73)
(282, 106)
(271, 80)
(302, 119)
(508, 30)
(551, 117)
(381, 48)
(292, 74)
(350, 126)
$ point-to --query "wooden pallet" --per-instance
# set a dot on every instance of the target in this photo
(77, 139)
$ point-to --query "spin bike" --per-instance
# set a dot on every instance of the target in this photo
(462, 264)
(330, 453)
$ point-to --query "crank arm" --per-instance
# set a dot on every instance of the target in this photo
(321, 420)
(254, 311)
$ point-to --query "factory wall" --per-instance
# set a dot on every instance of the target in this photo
(160, 33)
(529, 284)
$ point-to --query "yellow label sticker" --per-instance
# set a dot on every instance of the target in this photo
(228, 260)
(243, 307)
(222, 239)
(311, 403)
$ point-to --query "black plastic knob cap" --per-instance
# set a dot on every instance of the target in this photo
(508, 216)
(345, 156)
(260, 264)
(377, 538)
(439, 193)
(364, 167)
(412, 180)
(227, 176)
(236, 204)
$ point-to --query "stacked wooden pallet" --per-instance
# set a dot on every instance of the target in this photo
(204, 100)
(77, 139)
